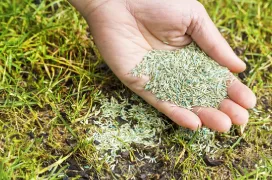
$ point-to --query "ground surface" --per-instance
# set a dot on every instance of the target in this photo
(52, 79)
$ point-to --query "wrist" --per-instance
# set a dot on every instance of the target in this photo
(86, 7)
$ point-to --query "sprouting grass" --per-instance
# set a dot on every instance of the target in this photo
(52, 76)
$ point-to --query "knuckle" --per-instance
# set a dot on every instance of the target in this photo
(198, 18)
(197, 24)
(172, 113)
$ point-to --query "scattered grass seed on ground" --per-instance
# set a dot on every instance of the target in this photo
(141, 124)
(186, 77)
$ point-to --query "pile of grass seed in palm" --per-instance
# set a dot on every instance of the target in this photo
(186, 77)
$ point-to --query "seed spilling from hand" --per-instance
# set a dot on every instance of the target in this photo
(186, 77)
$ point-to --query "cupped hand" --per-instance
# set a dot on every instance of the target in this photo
(125, 30)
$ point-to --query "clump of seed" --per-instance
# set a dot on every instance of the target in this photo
(186, 77)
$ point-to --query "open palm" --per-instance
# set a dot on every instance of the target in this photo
(125, 31)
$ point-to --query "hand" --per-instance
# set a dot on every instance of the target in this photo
(125, 30)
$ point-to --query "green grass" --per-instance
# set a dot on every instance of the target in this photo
(52, 76)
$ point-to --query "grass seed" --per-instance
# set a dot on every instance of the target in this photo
(186, 77)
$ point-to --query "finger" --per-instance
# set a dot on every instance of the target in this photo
(241, 94)
(181, 116)
(237, 114)
(209, 39)
(213, 118)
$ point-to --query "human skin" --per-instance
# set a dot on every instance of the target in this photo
(125, 30)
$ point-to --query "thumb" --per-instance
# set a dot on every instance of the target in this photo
(204, 32)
